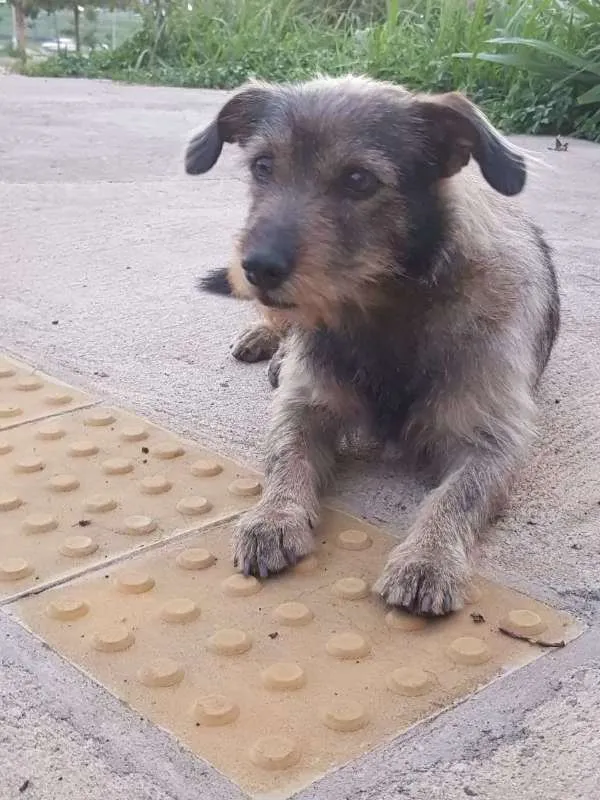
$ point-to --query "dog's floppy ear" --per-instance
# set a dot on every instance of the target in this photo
(236, 122)
(458, 130)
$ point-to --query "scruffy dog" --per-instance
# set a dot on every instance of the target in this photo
(405, 296)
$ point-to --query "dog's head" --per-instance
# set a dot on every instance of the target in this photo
(344, 179)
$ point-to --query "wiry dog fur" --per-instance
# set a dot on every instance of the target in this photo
(413, 299)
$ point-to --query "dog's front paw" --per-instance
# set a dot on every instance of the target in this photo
(258, 343)
(425, 584)
(269, 538)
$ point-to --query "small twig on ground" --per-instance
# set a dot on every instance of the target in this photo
(524, 638)
(559, 146)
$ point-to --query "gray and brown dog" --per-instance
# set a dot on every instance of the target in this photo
(404, 293)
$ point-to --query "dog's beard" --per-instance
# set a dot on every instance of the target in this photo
(274, 302)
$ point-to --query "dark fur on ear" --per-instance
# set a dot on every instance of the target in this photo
(458, 130)
(235, 123)
(216, 282)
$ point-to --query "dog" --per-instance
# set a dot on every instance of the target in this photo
(406, 294)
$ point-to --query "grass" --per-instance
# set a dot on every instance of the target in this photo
(527, 62)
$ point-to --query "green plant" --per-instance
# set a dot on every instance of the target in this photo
(568, 55)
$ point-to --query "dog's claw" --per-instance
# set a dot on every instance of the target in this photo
(290, 557)
(263, 571)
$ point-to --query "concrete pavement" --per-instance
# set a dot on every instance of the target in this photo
(101, 232)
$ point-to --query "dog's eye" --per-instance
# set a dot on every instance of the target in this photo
(262, 168)
(359, 183)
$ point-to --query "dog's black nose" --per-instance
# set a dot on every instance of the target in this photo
(266, 269)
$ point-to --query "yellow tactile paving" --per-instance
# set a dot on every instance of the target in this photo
(277, 682)
(94, 484)
(27, 394)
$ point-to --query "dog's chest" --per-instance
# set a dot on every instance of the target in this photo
(383, 375)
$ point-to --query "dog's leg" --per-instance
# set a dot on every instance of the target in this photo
(428, 572)
(275, 365)
(300, 458)
(257, 343)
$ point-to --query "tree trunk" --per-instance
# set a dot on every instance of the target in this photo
(76, 20)
(19, 29)
(56, 31)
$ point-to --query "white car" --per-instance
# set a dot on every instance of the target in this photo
(64, 45)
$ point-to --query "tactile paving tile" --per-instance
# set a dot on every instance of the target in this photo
(27, 394)
(276, 683)
(89, 486)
